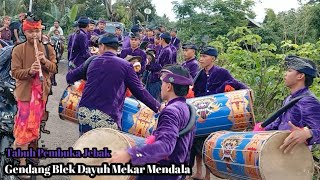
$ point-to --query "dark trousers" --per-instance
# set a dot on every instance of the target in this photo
(196, 148)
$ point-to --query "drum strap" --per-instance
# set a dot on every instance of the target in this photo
(86, 65)
(47, 50)
(275, 115)
(192, 121)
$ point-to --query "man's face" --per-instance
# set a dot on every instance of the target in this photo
(33, 34)
(292, 77)
(165, 88)
(118, 31)
(173, 34)
(56, 33)
(56, 24)
(206, 60)
(150, 33)
(21, 17)
(91, 27)
(188, 53)
(156, 31)
(134, 42)
(7, 21)
(157, 41)
(101, 26)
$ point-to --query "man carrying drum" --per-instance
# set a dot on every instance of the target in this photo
(211, 79)
(303, 118)
(107, 77)
(165, 146)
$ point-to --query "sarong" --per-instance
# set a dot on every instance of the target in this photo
(93, 118)
(29, 115)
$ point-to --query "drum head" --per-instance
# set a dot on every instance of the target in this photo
(274, 164)
(100, 138)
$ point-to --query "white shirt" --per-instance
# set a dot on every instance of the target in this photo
(59, 29)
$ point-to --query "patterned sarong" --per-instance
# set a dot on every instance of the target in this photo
(93, 118)
(29, 115)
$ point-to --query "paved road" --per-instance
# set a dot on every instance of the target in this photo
(63, 133)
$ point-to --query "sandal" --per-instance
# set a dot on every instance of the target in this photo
(24, 177)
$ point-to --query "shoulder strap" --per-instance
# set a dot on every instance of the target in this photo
(47, 50)
(197, 75)
(275, 115)
(86, 65)
(192, 121)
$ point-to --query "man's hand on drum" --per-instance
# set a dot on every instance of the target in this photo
(297, 136)
(120, 157)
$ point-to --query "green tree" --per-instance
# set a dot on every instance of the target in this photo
(135, 10)
(213, 18)
(260, 66)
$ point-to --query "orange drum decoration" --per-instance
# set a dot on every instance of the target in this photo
(255, 155)
(68, 107)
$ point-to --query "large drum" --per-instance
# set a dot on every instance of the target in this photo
(225, 111)
(68, 106)
(100, 138)
(255, 155)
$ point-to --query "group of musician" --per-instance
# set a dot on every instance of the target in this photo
(161, 84)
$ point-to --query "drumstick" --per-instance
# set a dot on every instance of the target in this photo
(37, 51)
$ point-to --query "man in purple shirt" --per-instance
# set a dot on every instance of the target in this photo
(118, 33)
(149, 36)
(165, 57)
(303, 118)
(211, 79)
(108, 77)
(79, 51)
(166, 146)
(126, 41)
(174, 40)
(91, 32)
(156, 46)
(101, 26)
(190, 60)
(134, 50)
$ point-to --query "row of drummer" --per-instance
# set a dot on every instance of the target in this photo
(108, 76)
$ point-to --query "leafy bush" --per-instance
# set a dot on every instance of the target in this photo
(259, 66)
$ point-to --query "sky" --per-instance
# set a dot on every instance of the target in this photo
(165, 7)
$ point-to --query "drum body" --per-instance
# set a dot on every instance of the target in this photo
(100, 138)
(225, 111)
(68, 106)
(255, 155)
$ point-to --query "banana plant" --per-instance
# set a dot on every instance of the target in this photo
(12, 8)
(67, 19)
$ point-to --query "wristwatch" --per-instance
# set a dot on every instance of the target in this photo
(307, 129)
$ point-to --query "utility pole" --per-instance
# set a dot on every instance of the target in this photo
(30, 6)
